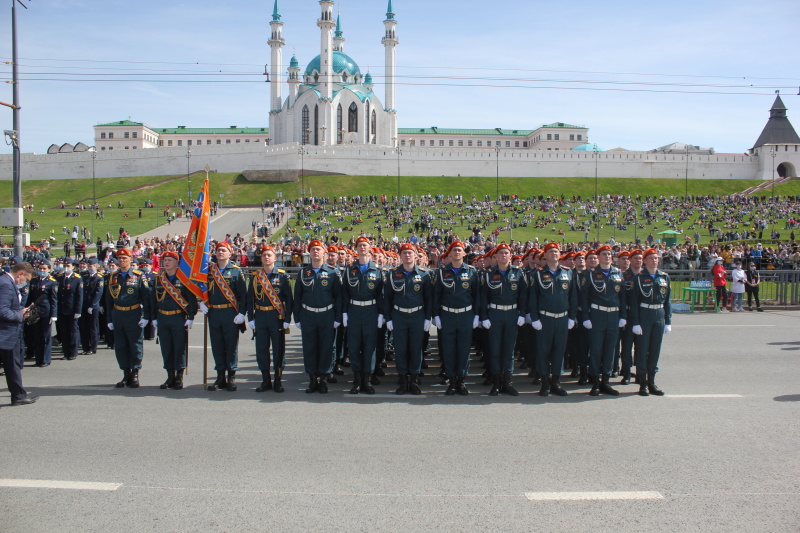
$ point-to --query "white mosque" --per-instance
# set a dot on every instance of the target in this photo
(332, 102)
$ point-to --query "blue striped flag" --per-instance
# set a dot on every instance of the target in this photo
(193, 269)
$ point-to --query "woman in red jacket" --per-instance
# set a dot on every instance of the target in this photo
(720, 282)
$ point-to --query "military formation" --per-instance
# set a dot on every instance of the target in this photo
(547, 310)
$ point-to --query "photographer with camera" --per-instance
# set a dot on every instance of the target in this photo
(11, 317)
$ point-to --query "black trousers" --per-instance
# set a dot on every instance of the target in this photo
(13, 372)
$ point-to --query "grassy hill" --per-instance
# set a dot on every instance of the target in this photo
(233, 189)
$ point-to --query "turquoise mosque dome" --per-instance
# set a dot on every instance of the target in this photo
(341, 63)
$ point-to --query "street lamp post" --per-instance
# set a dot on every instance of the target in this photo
(302, 152)
(686, 195)
(773, 153)
(93, 152)
(188, 176)
(399, 152)
(497, 180)
(596, 206)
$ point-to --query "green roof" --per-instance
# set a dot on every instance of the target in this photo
(122, 123)
(232, 129)
(563, 125)
(451, 131)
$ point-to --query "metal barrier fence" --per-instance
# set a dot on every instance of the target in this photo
(777, 287)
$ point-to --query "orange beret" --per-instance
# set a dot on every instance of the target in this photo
(515, 257)
(578, 254)
(267, 249)
(624, 253)
(315, 242)
(649, 251)
(407, 246)
(362, 239)
(551, 245)
(455, 244)
(636, 252)
(604, 248)
(124, 252)
(223, 244)
(376, 250)
(501, 246)
(173, 255)
(591, 252)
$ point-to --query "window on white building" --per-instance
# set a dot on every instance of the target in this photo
(460, 142)
(580, 137)
(227, 141)
(496, 143)
(180, 142)
(516, 144)
(219, 141)
(238, 141)
(208, 141)
(441, 142)
(508, 144)
(402, 142)
(557, 136)
(571, 137)
(189, 142)
(102, 148)
(127, 135)
(135, 135)
(549, 136)
(102, 135)
(169, 142)
(469, 143)
(110, 134)
(480, 143)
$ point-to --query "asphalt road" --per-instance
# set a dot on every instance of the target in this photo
(718, 453)
(229, 220)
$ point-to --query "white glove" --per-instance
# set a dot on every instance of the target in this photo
(203, 307)
(155, 323)
(486, 324)
(344, 320)
(381, 321)
(390, 326)
(528, 319)
(336, 324)
(252, 324)
(298, 325)
(188, 324)
(110, 326)
(520, 321)
(570, 323)
(667, 328)
(53, 320)
(143, 322)
(77, 315)
(89, 310)
(426, 326)
(476, 322)
(637, 330)
(238, 319)
(437, 321)
(622, 322)
(286, 325)
(537, 325)
(587, 324)
(101, 310)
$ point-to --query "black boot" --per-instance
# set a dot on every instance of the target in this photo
(583, 379)
(338, 370)
(178, 385)
(379, 372)
(266, 381)
(495, 385)
(403, 388)
(366, 386)
(652, 388)
(232, 380)
(642, 381)
(330, 378)
(460, 387)
(277, 386)
(451, 389)
(170, 380)
(595, 386)
(537, 379)
(413, 387)
(373, 378)
(134, 382)
(626, 376)
(545, 390)
(508, 388)
(356, 383)
(323, 385)
(605, 388)
(556, 388)
(220, 383)
(313, 383)
(125, 379)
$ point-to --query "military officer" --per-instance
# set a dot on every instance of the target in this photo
(408, 307)
(379, 257)
(41, 332)
(227, 303)
(651, 314)
(269, 311)
(579, 336)
(553, 306)
(456, 301)
(604, 312)
(145, 265)
(502, 311)
(317, 313)
(127, 306)
(337, 256)
(172, 311)
(70, 299)
(626, 348)
(362, 315)
(92, 295)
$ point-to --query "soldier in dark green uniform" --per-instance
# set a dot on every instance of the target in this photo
(651, 314)
(317, 313)
(145, 265)
(456, 295)
(626, 348)
(70, 305)
(603, 309)
(172, 311)
(227, 303)
(269, 311)
(127, 305)
(553, 307)
(362, 315)
(502, 311)
(40, 333)
(408, 307)
(93, 287)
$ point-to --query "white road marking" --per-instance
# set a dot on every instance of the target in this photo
(626, 495)
(703, 396)
(681, 326)
(55, 484)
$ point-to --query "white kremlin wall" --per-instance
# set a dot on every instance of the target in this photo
(383, 161)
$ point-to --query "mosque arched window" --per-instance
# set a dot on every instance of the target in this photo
(304, 126)
(316, 124)
(366, 117)
(339, 129)
(374, 124)
(352, 117)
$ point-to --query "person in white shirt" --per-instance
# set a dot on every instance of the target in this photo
(739, 278)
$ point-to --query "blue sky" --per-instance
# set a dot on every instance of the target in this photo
(453, 58)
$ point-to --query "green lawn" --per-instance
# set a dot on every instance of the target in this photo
(164, 190)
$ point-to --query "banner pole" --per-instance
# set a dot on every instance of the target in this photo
(205, 352)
